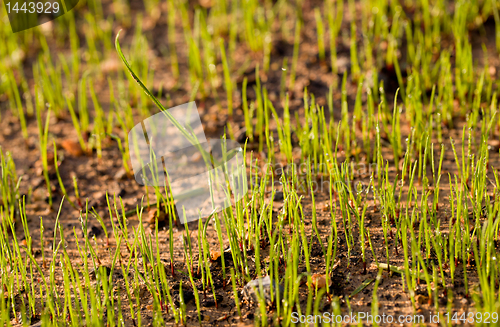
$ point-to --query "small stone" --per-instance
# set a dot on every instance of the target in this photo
(121, 174)
(110, 65)
(7, 131)
(492, 70)
(214, 255)
(252, 288)
(196, 157)
(47, 28)
(206, 3)
(40, 194)
(319, 281)
(72, 147)
(154, 215)
(39, 171)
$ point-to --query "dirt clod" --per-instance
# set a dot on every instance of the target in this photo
(319, 281)
(72, 147)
